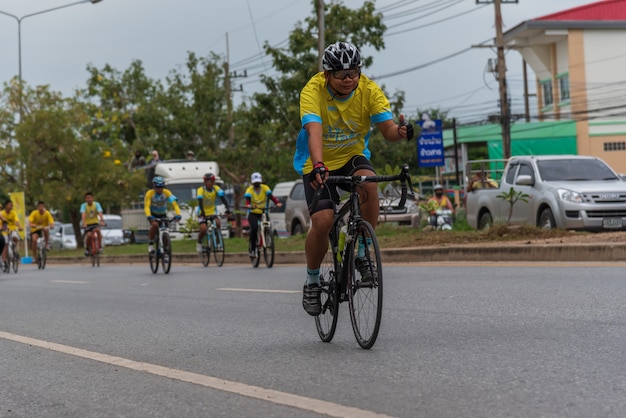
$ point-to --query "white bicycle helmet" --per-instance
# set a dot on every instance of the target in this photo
(341, 56)
(256, 178)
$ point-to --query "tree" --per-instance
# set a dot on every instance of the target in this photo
(512, 197)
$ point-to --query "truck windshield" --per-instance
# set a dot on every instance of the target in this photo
(574, 170)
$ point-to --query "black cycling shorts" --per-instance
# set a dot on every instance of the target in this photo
(330, 194)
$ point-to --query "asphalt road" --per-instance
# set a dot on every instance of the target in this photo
(463, 340)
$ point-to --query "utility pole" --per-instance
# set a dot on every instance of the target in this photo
(321, 43)
(229, 90)
(505, 113)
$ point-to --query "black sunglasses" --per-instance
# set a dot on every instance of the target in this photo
(343, 74)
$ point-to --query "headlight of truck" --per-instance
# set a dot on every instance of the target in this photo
(412, 209)
(570, 196)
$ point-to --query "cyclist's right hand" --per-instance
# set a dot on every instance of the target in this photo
(318, 174)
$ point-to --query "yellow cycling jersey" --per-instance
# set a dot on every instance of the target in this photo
(40, 220)
(209, 199)
(156, 204)
(90, 212)
(258, 200)
(345, 122)
(11, 220)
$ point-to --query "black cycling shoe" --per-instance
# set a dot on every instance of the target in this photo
(363, 266)
(311, 299)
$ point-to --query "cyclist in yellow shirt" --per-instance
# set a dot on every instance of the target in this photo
(257, 198)
(337, 108)
(92, 219)
(207, 206)
(155, 207)
(40, 221)
(11, 226)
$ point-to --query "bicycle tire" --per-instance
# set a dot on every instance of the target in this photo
(268, 248)
(326, 322)
(218, 247)
(16, 260)
(42, 257)
(365, 297)
(205, 254)
(166, 254)
(153, 258)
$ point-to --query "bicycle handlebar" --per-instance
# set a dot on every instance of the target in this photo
(403, 176)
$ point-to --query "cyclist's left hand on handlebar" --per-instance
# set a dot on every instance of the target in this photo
(319, 174)
(405, 129)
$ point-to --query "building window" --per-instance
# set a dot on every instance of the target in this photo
(615, 146)
(548, 97)
(564, 87)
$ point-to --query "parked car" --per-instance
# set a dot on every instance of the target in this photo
(297, 220)
(62, 237)
(390, 212)
(277, 215)
(112, 232)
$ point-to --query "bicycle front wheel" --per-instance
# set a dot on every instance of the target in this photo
(166, 260)
(42, 257)
(268, 249)
(154, 260)
(365, 289)
(218, 247)
(205, 255)
(326, 322)
(16, 261)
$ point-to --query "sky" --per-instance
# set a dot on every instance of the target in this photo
(58, 45)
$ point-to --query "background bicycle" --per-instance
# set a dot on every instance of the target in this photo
(213, 242)
(352, 268)
(13, 255)
(162, 247)
(42, 253)
(264, 241)
(92, 244)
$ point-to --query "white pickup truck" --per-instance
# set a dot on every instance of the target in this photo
(564, 191)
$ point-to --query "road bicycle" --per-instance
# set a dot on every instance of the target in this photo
(212, 242)
(352, 268)
(42, 253)
(13, 255)
(264, 241)
(162, 247)
(94, 248)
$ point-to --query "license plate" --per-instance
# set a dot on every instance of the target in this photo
(611, 223)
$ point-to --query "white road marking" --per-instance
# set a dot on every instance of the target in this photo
(233, 289)
(267, 395)
(69, 281)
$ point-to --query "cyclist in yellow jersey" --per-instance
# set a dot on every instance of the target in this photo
(40, 221)
(155, 207)
(257, 198)
(207, 206)
(11, 226)
(91, 220)
(337, 109)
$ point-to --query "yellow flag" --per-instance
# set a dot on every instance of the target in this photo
(20, 208)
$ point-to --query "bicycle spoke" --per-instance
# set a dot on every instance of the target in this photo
(326, 322)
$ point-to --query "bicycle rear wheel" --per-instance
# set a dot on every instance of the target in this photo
(365, 289)
(218, 247)
(326, 322)
(166, 254)
(205, 254)
(268, 248)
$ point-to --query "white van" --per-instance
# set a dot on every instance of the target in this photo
(112, 232)
(281, 191)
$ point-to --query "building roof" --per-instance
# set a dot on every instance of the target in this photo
(548, 130)
(605, 10)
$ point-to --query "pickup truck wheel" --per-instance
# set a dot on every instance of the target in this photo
(546, 219)
(485, 221)
(297, 229)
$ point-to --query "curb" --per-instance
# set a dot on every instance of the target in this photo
(529, 253)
